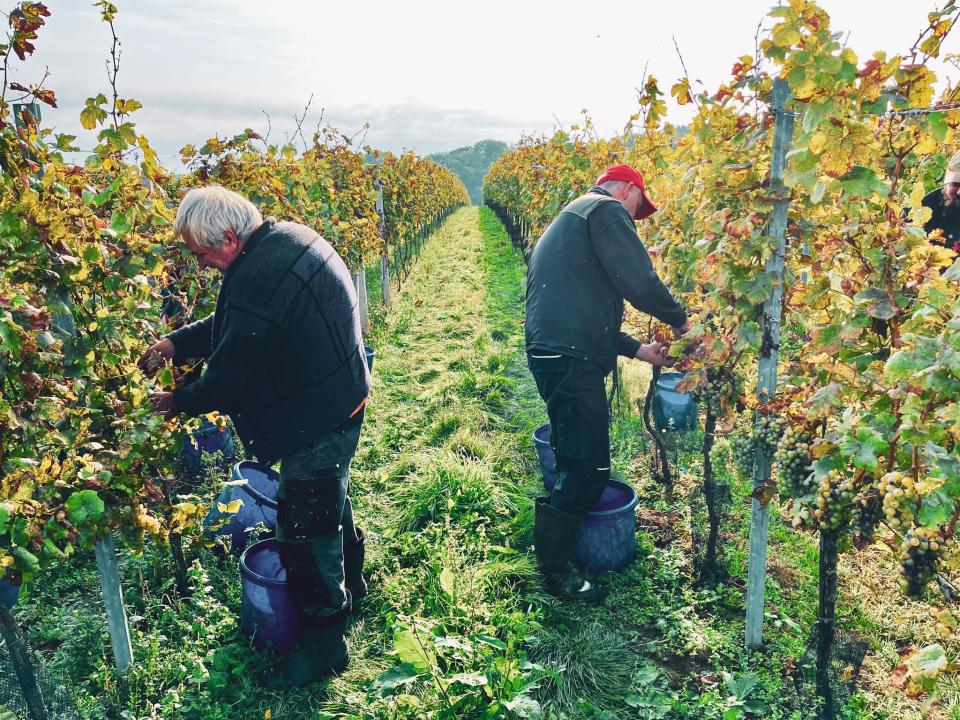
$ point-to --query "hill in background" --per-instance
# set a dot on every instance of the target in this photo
(471, 164)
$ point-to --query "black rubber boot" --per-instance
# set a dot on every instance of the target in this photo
(322, 652)
(554, 536)
(353, 555)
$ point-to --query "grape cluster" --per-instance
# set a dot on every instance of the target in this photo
(867, 513)
(919, 556)
(834, 501)
(899, 496)
(743, 454)
(792, 461)
(722, 389)
(768, 431)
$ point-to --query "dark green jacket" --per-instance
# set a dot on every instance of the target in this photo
(588, 261)
(943, 218)
(284, 351)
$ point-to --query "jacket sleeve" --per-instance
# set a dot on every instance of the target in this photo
(235, 364)
(622, 254)
(193, 340)
(627, 345)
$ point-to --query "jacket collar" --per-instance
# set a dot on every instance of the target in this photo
(599, 191)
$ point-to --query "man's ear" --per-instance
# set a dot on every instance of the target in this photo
(232, 238)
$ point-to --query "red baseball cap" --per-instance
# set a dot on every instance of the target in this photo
(625, 173)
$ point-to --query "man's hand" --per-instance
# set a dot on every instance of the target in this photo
(154, 356)
(164, 402)
(654, 353)
(682, 330)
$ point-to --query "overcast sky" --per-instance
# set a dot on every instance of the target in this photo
(426, 75)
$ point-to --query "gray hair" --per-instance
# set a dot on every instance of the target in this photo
(207, 213)
(611, 186)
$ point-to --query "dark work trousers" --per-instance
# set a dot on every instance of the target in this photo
(315, 520)
(579, 428)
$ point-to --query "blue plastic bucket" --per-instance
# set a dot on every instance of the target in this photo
(208, 438)
(548, 461)
(9, 592)
(673, 410)
(258, 496)
(370, 354)
(607, 539)
(267, 615)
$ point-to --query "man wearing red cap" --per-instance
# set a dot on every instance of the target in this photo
(588, 261)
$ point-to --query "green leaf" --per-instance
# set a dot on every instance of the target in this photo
(862, 181)
(122, 222)
(410, 651)
(877, 303)
(524, 706)
(470, 679)
(819, 190)
(84, 505)
(929, 660)
(864, 447)
(491, 641)
(399, 676)
(938, 125)
(937, 509)
(4, 517)
(26, 561)
(749, 334)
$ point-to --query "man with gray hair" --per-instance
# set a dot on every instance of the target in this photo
(587, 262)
(285, 359)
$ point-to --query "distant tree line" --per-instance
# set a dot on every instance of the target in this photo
(471, 164)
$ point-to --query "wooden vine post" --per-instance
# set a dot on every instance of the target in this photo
(106, 555)
(769, 356)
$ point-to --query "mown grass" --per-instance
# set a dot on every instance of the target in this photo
(456, 624)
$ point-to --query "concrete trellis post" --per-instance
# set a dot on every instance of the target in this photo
(769, 356)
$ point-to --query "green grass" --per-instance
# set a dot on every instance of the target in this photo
(456, 624)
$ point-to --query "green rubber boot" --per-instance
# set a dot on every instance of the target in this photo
(322, 652)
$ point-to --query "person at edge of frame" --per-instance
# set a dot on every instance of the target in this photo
(945, 204)
(587, 262)
(285, 359)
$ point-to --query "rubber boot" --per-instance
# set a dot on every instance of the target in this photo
(322, 652)
(554, 537)
(353, 555)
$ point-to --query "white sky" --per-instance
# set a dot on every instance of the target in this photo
(427, 75)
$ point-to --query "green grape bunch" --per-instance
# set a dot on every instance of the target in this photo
(768, 432)
(792, 460)
(721, 391)
(867, 513)
(834, 502)
(900, 498)
(920, 554)
(744, 449)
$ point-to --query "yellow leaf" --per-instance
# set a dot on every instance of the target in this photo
(268, 713)
(817, 143)
(230, 507)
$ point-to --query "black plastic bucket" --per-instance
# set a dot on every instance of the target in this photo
(208, 438)
(607, 539)
(548, 461)
(267, 615)
(256, 488)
